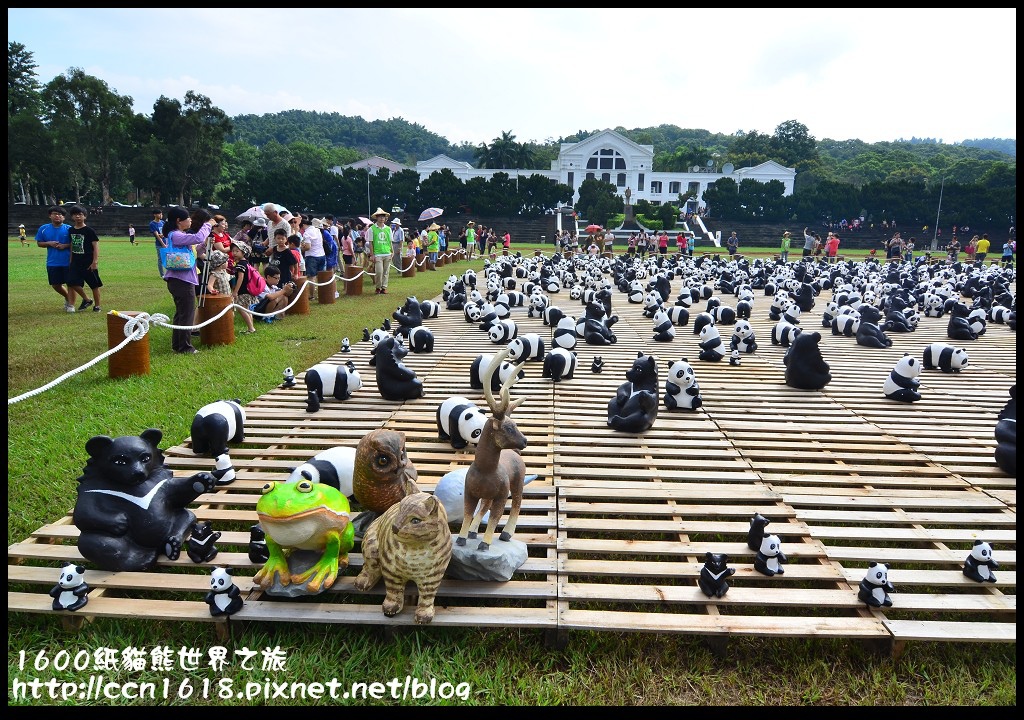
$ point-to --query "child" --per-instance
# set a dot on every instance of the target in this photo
(241, 293)
(276, 296)
(295, 245)
(22, 235)
(281, 255)
(219, 282)
(131, 233)
(85, 256)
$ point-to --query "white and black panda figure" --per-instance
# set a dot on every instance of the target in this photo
(459, 422)
(217, 424)
(712, 347)
(979, 564)
(565, 335)
(902, 383)
(682, 392)
(224, 597)
(552, 314)
(334, 466)
(505, 370)
(539, 302)
(71, 591)
(503, 331)
(846, 323)
(664, 330)
(376, 337)
(200, 546)
(346, 347)
(943, 356)
(700, 320)
(559, 364)
(743, 338)
(223, 470)
(874, 589)
(430, 309)
(769, 558)
(289, 378)
(529, 346)
(326, 380)
(679, 315)
(636, 293)
(724, 314)
(552, 285)
(734, 358)
(744, 309)
(784, 333)
(978, 320)
(999, 314)
(831, 310)
(421, 339)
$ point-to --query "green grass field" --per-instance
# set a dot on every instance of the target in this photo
(47, 433)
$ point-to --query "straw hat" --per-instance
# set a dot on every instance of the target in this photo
(381, 211)
(470, 223)
(21, 226)
(433, 226)
(786, 233)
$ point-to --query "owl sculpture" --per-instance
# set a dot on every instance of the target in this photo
(383, 474)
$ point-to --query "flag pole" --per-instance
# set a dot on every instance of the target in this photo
(935, 235)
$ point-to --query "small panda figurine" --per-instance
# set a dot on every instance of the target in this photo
(902, 382)
(502, 331)
(597, 365)
(200, 544)
(334, 466)
(504, 371)
(421, 339)
(71, 591)
(664, 330)
(712, 349)
(734, 359)
(754, 536)
(785, 332)
(337, 381)
(529, 346)
(289, 378)
(258, 551)
(681, 388)
(376, 338)
(217, 424)
(559, 364)
(345, 346)
(430, 309)
(979, 564)
(846, 324)
(224, 597)
(875, 587)
(769, 558)
(944, 357)
(724, 314)
(743, 338)
(565, 335)
(459, 422)
(223, 470)
(713, 574)
(700, 320)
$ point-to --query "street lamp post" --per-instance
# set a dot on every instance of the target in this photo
(935, 235)
(368, 210)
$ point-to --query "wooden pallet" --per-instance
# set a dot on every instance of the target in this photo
(617, 524)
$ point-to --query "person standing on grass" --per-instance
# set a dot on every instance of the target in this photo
(56, 238)
(85, 258)
(981, 252)
(379, 245)
(784, 247)
(182, 284)
(156, 229)
(470, 244)
(397, 242)
(732, 243)
(22, 235)
(808, 242)
(131, 233)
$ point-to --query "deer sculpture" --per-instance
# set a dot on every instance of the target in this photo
(497, 468)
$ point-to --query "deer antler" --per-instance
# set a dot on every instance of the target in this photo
(507, 405)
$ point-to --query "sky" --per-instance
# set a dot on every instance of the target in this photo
(540, 74)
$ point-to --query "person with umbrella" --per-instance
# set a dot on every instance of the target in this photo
(379, 239)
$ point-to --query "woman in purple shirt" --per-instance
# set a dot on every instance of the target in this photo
(182, 283)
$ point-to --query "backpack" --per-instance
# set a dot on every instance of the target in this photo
(254, 282)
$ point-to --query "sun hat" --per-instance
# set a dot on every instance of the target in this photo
(786, 233)
(433, 226)
(318, 223)
(381, 211)
(260, 222)
(397, 221)
(218, 258)
(243, 246)
(22, 225)
(470, 223)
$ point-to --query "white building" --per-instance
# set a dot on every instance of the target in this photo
(612, 158)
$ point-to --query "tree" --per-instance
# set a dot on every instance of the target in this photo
(793, 145)
(598, 201)
(23, 89)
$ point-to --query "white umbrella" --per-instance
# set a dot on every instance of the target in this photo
(256, 211)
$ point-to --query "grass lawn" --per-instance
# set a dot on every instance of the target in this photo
(47, 434)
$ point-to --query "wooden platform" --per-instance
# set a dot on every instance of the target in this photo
(617, 524)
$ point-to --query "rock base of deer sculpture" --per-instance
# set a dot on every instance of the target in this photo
(495, 564)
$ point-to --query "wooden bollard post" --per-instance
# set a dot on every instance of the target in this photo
(301, 306)
(409, 269)
(222, 330)
(353, 287)
(325, 288)
(133, 358)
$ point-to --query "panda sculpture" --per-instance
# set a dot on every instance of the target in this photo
(200, 544)
(325, 380)
(713, 575)
(846, 324)
(395, 381)
(743, 337)
(724, 315)
(977, 318)
(429, 309)
(421, 339)
(217, 424)
(1006, 435)
(597, 326)
(944, 357)
(502, 331)
(681, 388)
(979, 564)
(559, 364)
(679, 315)
(334, 466)
(224, 597)
(831, 310)
(712, 347)
(529, 346)
(874, 589)
(870, 334)
(375, 339)
(664, 330)
(565, 335)
(635, 405)
(806, 369)
(552, 314)
(902, 383)
(223, 470)
(71, 591)
(459, 422)
(785, 332)
(744, 308)
(481, 362)
(539, 302)
(769, 558)
(700, 320)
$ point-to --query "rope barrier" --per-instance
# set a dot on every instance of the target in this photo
(137, 326)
